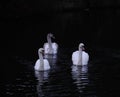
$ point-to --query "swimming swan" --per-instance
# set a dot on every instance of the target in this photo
(50, 47)
(41, 64)
(80, 57)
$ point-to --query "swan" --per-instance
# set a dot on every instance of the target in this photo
(50, 47)
(41, 64)
(80, 57)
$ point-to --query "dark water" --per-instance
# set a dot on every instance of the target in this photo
(100, 78)
(92, 26)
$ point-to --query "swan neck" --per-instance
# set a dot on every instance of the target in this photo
(41, 61)
(49, 42)
(80, 57)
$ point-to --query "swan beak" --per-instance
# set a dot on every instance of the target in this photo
(83, 48)
(42, 51)
(53, 37)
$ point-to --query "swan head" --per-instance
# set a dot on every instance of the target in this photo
(81, 46)
(51, 35)
(40, 50)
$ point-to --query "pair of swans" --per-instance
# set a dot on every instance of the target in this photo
(79, 57)
(49, 48)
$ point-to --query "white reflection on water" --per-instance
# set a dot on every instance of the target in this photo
(42, 77)
(52, 58)
(80, 76)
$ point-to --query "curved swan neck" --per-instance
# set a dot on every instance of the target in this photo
(41, 60)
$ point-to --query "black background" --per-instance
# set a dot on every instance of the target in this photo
(25, 24)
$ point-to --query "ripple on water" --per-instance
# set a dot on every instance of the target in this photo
(64, 79)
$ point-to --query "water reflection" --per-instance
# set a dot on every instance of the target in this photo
(52, 58)
(42, 77)
(80, 76)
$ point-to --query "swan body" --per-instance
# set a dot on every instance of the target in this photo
(80, 57)
(46, 65)
(47, 48)
(41, 64)
(50, 47)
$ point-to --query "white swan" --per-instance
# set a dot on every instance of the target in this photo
(80, 57)
(41, 64)
(50, 47)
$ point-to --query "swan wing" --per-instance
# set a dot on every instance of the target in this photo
(75, 57)
(46, 64)
(55, 47)
(37, 65)
(46, 48)
(85, 58)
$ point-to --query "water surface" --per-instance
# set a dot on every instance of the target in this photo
(100, 78)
